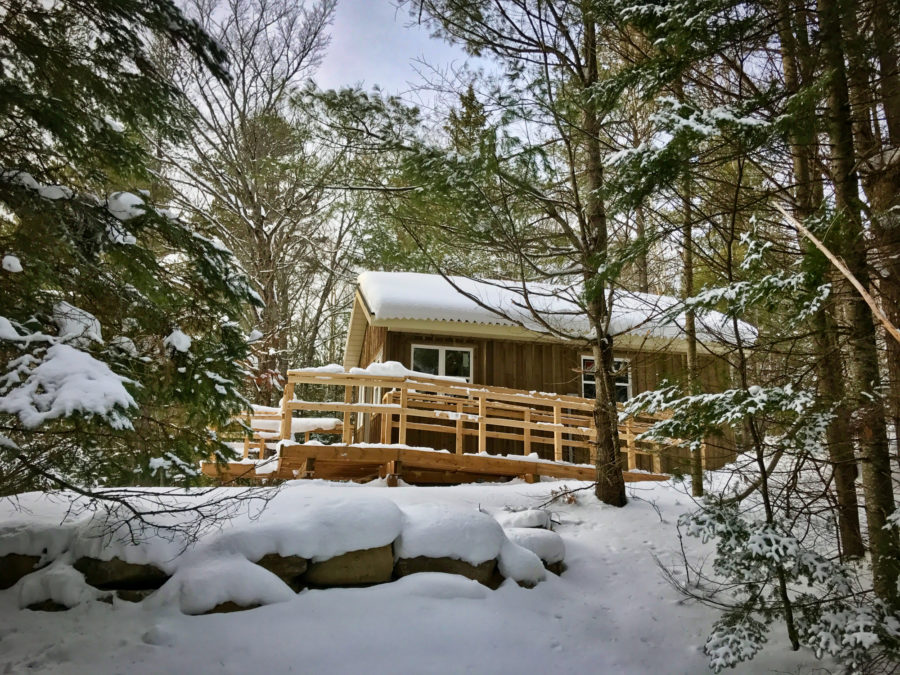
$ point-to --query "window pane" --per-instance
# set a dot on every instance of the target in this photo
(588, 390)
(458, 363)
(425, 360)
(621, 392)
(587, 364)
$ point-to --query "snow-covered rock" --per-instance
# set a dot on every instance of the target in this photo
(213, 581)
(441, 531)
(546, 545)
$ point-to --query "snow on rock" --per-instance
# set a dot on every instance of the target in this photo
(546, 545)
(517, 562)
(65, 382)
(125, 205)
(76, 325)
(59, 582)
(29, 536)
(526, 518)
(11, 264)
(211, 581)
(178, 341)
(442, 531)
(317, 530)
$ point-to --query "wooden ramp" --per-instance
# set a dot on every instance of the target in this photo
(413, 465)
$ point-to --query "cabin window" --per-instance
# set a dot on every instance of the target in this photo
(453, 361)
(621, 380)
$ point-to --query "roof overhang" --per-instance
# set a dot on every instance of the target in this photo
(361, 316)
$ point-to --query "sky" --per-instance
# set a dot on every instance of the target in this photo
(373, 42)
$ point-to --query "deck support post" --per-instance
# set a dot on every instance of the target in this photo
(404, 400)
(629, 439)
(308, 468)
(348, 427)
(459, 427)
(557, 432)
(286, 413)
(526, 450)
(482, 424)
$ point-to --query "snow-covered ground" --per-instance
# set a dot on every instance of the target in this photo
(609, 612)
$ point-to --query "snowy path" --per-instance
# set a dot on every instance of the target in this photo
(610, 612)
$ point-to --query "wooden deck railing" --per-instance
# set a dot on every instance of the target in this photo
(443, 406)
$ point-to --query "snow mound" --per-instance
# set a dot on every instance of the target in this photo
(546, 545)
(442, 531)
(210, 581)
(313, 530)
(520, 564)
(60, 583)
(441, 586)
(526, 518)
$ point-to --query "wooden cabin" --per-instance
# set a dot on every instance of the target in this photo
(496, 334)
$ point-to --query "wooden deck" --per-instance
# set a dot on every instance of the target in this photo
(413, 465)
(377, 413)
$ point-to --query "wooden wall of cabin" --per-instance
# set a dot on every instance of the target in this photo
(547, 367)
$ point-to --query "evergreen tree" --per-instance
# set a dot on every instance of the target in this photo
(118, 340)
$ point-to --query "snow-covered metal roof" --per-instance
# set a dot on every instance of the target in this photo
(534, 306)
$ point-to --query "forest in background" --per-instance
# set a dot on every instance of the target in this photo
(183, 214)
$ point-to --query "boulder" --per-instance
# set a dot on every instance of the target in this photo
(47, 606)
(482, 573)
(355, 568)
(289, 569)
(118, 574)
(14, 566)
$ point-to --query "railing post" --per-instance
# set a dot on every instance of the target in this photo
(404, 399)
(459, 427)
(526, 450)
(557, 432)
(348, 427)
(482, 423)
(629, 439)
(287, 414)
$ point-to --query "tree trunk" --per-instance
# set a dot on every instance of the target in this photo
(873, 442)
(610, 488)
(823, 324)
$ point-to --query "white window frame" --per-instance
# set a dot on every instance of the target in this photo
(618, 362)
(442, 357)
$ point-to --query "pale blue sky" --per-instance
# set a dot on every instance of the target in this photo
(373, 43)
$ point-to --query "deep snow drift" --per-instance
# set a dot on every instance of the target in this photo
(609, 612)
